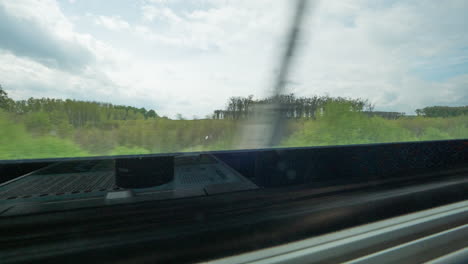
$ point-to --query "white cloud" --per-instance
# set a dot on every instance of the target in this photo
(158, 1)
(50, 40)
(49, 58)
(112, 23)
(189, 56)
(373, 52)
(151, 13)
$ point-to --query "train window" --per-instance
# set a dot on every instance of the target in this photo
(81, 78)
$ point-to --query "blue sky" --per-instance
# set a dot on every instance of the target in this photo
(189, 56)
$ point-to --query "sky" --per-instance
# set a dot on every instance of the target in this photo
(190, 56)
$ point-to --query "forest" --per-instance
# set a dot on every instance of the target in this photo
(48, 128)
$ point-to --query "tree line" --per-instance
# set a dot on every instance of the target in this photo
(78, 113)
(83, 113)
(442, 111)
(292, 107)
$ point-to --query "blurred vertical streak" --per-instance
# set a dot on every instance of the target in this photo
(265, 128)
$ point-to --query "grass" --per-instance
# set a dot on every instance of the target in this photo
(21, 139)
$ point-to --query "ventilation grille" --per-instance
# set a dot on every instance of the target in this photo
(94, 178)
(59, 184)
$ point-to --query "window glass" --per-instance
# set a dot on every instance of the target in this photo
(92, 78)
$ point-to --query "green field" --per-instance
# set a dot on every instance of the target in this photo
(20, 140)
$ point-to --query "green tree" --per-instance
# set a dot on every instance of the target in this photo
(37, 123)
(5, 102)
(3, 96)
(151, 114)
